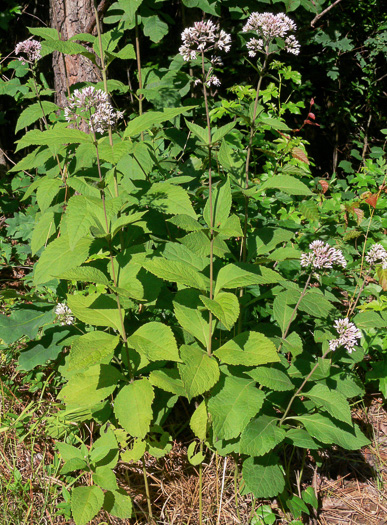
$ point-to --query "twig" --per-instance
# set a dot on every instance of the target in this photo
(317, 17)
(101, 9)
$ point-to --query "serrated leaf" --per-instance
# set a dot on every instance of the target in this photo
(186, 223)
(198, 371)
(176, 271)
(86, 502)
(44, 228)
(233, 405)
(46, 191)
(199, 132)
(34, 113)
(283, 307)
(300, 438)
(168, 380)
(84, 274)
(189, 316)
(233, 276)
(52, 137)
(133, 407)
(287, 184)
(105, 478)
(260, 436)
(222, 132)
(268, 238)
(221, 205)
(330, 431)
(174, 251)
(151, 119)
(155, 28)
(156, 341)
(170, 199)
(118, 503)
(248, 349)
(263, 476)
(272, 378)
(198, 422)
(124, 220)
(309, 209)
(91, 386)
(96, 309)
(332, 401)
(59, 257)
(90, 349)
(225, 307)
(135, 453)
(274, 123)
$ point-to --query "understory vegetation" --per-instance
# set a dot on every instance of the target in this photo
(193, 261)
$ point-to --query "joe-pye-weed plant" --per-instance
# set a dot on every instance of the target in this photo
(188, 253)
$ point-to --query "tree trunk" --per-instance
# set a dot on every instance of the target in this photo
(71, 17)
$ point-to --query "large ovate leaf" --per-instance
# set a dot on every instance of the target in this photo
(332, 431)
(248, 349)
(96, 309)
(225, 307)
(170, 199)
(332, 401)
(283, 308)
(235, 402)
(260, 436)
(91, 348)
(25, 321)
(198, 422)
(198, 371)
(168, 380)
(53, 137)
(178, 272)
(133, 407)
(118, 503)
(58, 257)
(86, 502)
(186, 306)
(263, 476)
(85, 274)
(287, 184)
(155, 341)
(35, 112)
(44, 228)
(271, 377)
(155, 28)
(151, 119)
(221, 206)
(238, 276)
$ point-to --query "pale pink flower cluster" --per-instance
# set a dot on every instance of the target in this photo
(377, 255)
(322, 256)
(31, 48)
(92, 105)
(63, 313)
(269, 26)
(348, 335)
(203, 36)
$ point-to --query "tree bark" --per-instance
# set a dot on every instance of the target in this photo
(69, 18)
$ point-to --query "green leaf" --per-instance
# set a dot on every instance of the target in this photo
(133, 407)
(96, 309)
(135, 453)
(222, 132)
(155, 28)
(168, 380)
(105, 478)
(84, 274)
(170, 199)
(156, 341)
(248, 349)
(68, 452)
(282, 311)
(225, 307)
(118, 503)
(86, 502)
(176, 272)
(91, 386)
(198, 131)
(272, 378)
(25, 321)
(150, 119)
(365, 320)
(309, 209)
(48, 348)
(198, 371)
(263, 476)
(47, 190)
(231, 228)
(300, 438)
(233, 405)
(198, 422)
(268, 238)
(287, 184)
(53, 137)
(35, 112)
(293, 344)
(194, 459)
(274, 123)
(44, 228)
(260, 436)
(186, 223)
(186, 306)
(124, 220)
(174, 251)
(233, 276)
(90, 349)
(332, 401)
(59, 257)
(221, 205)
(331, 431)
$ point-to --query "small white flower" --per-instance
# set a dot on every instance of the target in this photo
(377, 255)
(63, 313)
(348, 335)
(31, 48)
(203, 36)
(322, 256)
(269, 26)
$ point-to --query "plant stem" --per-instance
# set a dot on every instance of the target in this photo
(201, 487)
(138, 56)
(148, 500)
(209, 346)
(248, 156)
(300, 388)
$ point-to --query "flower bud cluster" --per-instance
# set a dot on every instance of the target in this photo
(322, 256)
(203, 36)
(63, 313)
(269, 26)
(377, 255)
(92, 105)
(348, 335)
(31, 48)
